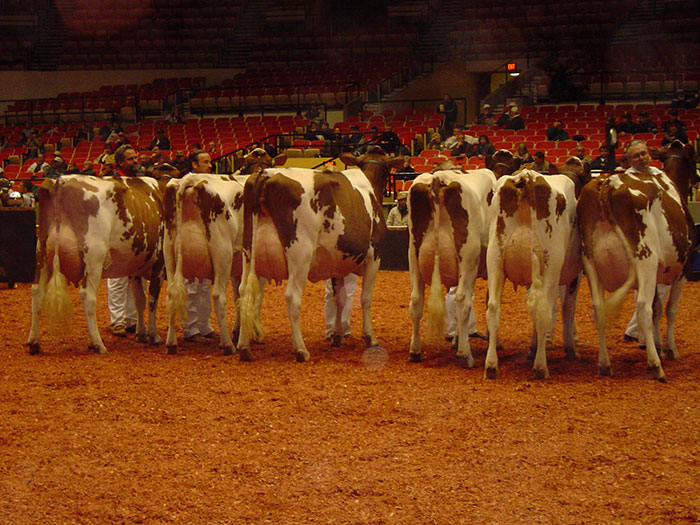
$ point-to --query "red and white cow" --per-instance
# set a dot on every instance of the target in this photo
(533, 242)
(306, 224)
(447, 235)
(203, 239)
(91, 228)
(636, 233)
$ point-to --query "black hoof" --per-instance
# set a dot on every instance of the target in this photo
(465, 362)
(491, 373)
(301, 357)
(415, 358)
(34, 348)
(245, 355)
(541, 374)
(227, 350)
(172, 349)
(605, 371)
(142, 338)
(336, 340)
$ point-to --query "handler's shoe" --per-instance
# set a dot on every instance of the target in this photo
(119, 330)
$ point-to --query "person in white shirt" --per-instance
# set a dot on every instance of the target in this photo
(398, 215)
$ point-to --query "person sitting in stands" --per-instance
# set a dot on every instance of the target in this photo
(390, 141)
(674, 133)
(38, 167)
(673, 119)
(56, 168)
(486, 116)
(516, 121)
(627, 126)
(435, 141)
(28, 191)
(557, 131)
(523, 154)
(107, 156)
(452, 140)
(87, 169)
(580, 153)
(462, 149)
(645, 124)
(398, 215)
(605, 161)
(484, 147)
(160, 141)
(542, 166)
(180, 162)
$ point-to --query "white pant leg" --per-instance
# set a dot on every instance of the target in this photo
(633, 327)
(191, 306)
(117, 300)
(350, 284)
(204, 307)
(451, 314)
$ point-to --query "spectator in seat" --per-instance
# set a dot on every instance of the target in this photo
(407, 168)
(390, 141)
(313, 113)
(83, 133)
(452, 140)
(448, 108)
(486, 116)
(462, 149)
(35, 144)
(542, 166)
(398, 215)
(38, 167)
(673, 119)
(160, 141)
(313, 131)
(435, 141)
(28, 191)
(180, 162)
(674, 133)
(71, 168)
(174, 116)
(523, 154)
(557, 131)
(484, 147)
(627, 126)
(87, 169)
(516, 121)
(9, 197)
(645, 124)
(605, 161)
(580, 153)
(56, 168)
(107, 156)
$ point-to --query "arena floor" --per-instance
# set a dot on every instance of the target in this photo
(139, 436)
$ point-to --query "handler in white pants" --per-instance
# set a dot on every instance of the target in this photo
(632, 333)
(350, 285)
(121, 306)
(198, 306)
(451, 317)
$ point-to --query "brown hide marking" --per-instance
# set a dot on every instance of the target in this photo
(46, 213)
(452, 197)
(333, 193)
(169, 209)
(678, 226)
(541, 192)
(251, 198)
(133, 195)
(421, 211)
(211, 205)
(589, 212)
(279, 197)
(76, 209)
(561, 204)
(625, 208)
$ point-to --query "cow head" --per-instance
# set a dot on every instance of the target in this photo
(679, 165)
(502, 163)
(162, 170)
(447, 164)
(259, 159)
(578, 171)
(375, 164)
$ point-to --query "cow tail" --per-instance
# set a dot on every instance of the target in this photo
(57, 303)
(175, 303)
(537, 305)
(251, 297)
(435, 317)
(613, 303)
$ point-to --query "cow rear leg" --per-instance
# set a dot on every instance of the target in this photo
(292, 294)
(154, 286)
(136, 284)
(463, 306)
(597, 300)
(645, 299)
(493, 317)
(671, 352)
(568, 313)
(38, 290)
(415, 307)
(88, 296)
(218, 296)
(371, 269)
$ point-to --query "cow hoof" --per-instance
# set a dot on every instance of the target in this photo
(154, 341)
(465, 361)
(656, 372)
(302, 357)
(605, 371)
(34, 348)
(336, 340)
(172, 349)
(141, 338)
(572, 354)
(227, 350)
(245, 355)
(670, 354)
(415, 358)
(541, 374)
(97, 349)
(491, 373)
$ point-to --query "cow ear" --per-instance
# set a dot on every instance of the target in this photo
(488, 162)
(349, 159)
(280, 159)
